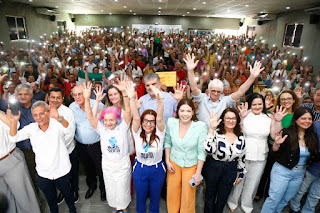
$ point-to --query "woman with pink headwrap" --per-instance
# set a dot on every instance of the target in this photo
(116, 148)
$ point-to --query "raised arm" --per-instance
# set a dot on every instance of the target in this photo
(159, 98)
(276, 125)
(86, 93)
(254, 73)
(133, 106)
(99, 97)
(191, 65)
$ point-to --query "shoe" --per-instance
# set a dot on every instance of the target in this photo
(60, 198)
(89, 193)
(76, 197)
(257, 198)
(103, 195)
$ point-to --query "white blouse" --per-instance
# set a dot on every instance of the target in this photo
(256, 129)
(149, 155)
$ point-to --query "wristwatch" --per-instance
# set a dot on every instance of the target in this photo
(61, 119)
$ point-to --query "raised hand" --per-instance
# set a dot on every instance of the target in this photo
(157, 93)
(99, 94)
(243, 110)
(178, 92)
(279, 139)
(131, 92)
(53, 112)
(86, 89)
(2, 77)
(122, 84)
(189, 60)
(13, 118)
(280, 113)
(214, 122)
(300, 92)
(255, 71)
(268, 101)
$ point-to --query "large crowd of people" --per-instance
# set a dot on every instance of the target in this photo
(242, 117)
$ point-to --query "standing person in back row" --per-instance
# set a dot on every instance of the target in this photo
(88, 144)
(215, 101)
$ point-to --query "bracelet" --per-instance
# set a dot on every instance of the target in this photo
(62, 119)
(277, 146)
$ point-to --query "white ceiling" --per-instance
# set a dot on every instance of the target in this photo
(210, 8)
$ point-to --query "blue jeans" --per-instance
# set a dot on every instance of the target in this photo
(307, 181)
(284, 184)
(148, 179)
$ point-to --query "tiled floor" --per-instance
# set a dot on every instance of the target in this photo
(95, 205)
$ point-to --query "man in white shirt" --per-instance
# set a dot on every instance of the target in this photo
(56, 99)
(91, 65)
(48, 137)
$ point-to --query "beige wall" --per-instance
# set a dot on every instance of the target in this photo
(36, 24)
(273, 32)
(186, 22)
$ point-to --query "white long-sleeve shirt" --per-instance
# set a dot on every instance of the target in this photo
(68, 116)
(51, 154)
(5, 146)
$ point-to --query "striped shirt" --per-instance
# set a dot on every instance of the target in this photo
(220, 149)
(316, 114)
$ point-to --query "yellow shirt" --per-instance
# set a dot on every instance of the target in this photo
(149, 71)
(211, 58)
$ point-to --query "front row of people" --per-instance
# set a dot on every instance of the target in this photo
(237, 148)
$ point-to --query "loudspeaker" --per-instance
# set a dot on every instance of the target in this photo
(73, 19)
(240, 24)
(52, 18)
(260, 22)
(314, 19)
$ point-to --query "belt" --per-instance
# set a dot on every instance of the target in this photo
(7, 155)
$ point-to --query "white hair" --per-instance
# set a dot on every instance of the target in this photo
(216, 83)
(40, 103)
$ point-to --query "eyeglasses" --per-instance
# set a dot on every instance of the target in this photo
(77, 94)
(285, 99)
(216, 91)
(230, 119)
(151, 122)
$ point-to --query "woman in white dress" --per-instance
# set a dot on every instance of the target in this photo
(115, 148)
(256, 126)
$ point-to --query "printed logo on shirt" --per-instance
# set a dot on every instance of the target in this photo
(113, 148)
(146, 148)
(147, 155)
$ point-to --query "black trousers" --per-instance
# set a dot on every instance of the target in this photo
(49, 189)
(90, 155)
(30, 159)
(74, 170)
(219, 177)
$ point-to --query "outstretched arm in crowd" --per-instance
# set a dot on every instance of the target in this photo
(254, 73)
(86, 94)
(133, 106)
(191, 65)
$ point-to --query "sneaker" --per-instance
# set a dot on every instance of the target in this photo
(60, 198)
(76, 197)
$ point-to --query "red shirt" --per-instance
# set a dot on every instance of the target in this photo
(141, 64)
(141, 90)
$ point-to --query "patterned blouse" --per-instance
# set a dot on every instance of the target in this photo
(220, 149)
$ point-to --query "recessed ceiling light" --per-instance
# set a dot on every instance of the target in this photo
(116, 0)
(288, 8)
(134, 14)
(194, 8)
(228, 10)
(160, 0)
(183, 15)
(204, 2)
(124, 6)
(159, 8)
(57, 7)
(188, 12)
(159, 14)
(110, 14)
(102, 10)
(207, 16)
(130, 11)
(159, 11)
(246, 5)
(30, 0)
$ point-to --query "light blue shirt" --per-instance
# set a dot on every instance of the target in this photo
(206, 106)
(170, 105)
(85, 133)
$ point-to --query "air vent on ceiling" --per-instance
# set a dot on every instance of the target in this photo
(265, 17)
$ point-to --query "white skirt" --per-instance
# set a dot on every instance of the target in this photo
(117, 180)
